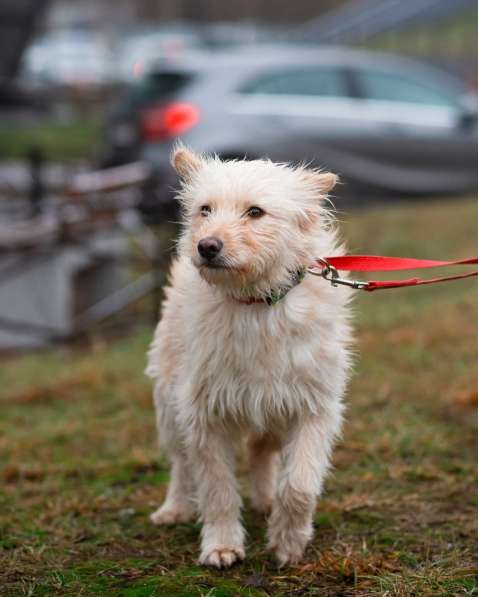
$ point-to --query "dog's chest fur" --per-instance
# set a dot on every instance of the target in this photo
(250, 364)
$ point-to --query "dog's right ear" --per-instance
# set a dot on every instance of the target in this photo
(185, 162)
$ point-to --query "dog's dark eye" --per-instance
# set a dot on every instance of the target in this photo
(255, 212)
(205, 210)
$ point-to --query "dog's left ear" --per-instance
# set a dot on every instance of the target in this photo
(324, 182)
(320, 184)
(185, 162)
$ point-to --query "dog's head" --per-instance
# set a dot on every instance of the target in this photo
(249, 224)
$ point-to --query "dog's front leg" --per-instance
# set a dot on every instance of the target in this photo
(178, 505)
(305, 459)
(219, 502)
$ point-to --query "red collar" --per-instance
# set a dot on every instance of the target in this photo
(275, 296)
(251, 300)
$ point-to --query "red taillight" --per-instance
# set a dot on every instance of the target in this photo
(164, 122)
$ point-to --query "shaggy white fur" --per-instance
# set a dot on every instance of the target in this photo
(224, 369)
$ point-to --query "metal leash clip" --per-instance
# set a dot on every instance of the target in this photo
(331, 274)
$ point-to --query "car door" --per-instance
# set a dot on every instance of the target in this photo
(413, 138)
(290, 112)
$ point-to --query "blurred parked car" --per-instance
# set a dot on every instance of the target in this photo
(381, 121)
(68, 57)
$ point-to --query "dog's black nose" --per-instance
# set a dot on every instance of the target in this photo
(210, 247)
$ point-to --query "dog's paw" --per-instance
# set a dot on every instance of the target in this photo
(222, 556)
(167, 514)
(288, 544)
(288, 555)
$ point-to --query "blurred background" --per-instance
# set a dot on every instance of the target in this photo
(94, 93)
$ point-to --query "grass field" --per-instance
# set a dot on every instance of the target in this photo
(80, 472)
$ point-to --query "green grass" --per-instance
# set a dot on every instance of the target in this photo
(80, 471)
(58, 141)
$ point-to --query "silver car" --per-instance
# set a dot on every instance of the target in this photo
(380, 121)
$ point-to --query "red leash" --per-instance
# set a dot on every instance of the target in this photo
(329, 268)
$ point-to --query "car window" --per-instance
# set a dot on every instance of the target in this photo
(156, 86)
(380, 85)
(316, 81)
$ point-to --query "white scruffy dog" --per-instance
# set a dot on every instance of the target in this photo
(249, 345)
